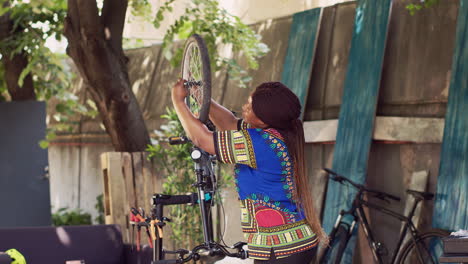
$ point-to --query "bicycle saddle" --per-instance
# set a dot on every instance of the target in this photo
(421, 195)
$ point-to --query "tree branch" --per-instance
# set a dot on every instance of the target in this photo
(14, 65)
(113, 20)
(6, 25)
(72, 21)
(89, 17)
(13, 69)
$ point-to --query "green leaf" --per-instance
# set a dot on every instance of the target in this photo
(43, 144)
(160, 16)
(3, 10)
(61, 108)
(51, 136)
(156, 23)
(23, 74)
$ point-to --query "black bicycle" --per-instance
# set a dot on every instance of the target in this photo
(421, 248)
(197, 75)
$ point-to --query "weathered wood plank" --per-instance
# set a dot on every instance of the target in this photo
(300, 54)
(127, 169)
(148, 181)
(387, 128)
(114, 191)
(410, 129)
(127, 172)
(450, 206)
(357, 112)
(138, 178)
(105, 183)
(320, 131)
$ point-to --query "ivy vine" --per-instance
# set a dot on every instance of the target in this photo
(415, 7)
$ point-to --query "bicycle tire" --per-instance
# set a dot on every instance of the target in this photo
(338, 240)
(431, 240)
(197, 101)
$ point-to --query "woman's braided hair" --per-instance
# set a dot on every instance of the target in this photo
(277, 106)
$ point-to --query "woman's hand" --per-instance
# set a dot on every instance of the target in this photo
(179, 92)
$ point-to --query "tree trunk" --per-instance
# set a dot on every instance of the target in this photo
(95, 45)
(14, 66)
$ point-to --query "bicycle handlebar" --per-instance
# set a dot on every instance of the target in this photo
(175, 199)
(338, 178)
(178, 140)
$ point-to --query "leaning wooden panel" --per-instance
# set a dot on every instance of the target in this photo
(452, 184)
(357, 112)
(301, 50)
(114, 191)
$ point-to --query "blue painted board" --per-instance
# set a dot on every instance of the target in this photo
(357, 111)
(450, 211)
(299, 59)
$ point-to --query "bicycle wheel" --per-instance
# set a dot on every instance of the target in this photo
(426, 250)
(338, 241)
(197, 74)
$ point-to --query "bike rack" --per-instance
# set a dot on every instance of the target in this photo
(206, 187)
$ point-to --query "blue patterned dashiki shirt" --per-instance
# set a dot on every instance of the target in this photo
(271, 221)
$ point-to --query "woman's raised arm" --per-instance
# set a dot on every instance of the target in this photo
(221, 117)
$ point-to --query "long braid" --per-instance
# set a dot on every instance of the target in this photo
(295, 142)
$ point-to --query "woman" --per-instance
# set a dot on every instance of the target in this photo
(267, 146)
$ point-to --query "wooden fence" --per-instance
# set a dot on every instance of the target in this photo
(130, 180)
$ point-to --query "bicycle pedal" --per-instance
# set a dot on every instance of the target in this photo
(239, 244)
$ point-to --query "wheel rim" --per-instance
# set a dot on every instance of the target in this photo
(193, 74)
(431, 249)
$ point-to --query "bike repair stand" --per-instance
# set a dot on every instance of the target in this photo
(206, 187)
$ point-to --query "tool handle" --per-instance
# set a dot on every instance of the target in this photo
(138, 239)
(137, 214)
(150, 241)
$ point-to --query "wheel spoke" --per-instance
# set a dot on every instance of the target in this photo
(195, 69)
(195, 76)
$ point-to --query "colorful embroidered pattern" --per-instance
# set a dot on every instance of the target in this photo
(249, 225)
(241, 125)
(233, 146)
(262, 202)
(271, 220)
(296, 237)
(276, 142)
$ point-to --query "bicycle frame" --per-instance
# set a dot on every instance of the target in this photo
(359, 216)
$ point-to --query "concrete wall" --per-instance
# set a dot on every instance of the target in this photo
(414, 83)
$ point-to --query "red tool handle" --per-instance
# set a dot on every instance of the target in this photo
(150, 241)
(138, 239)
(137, 214)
